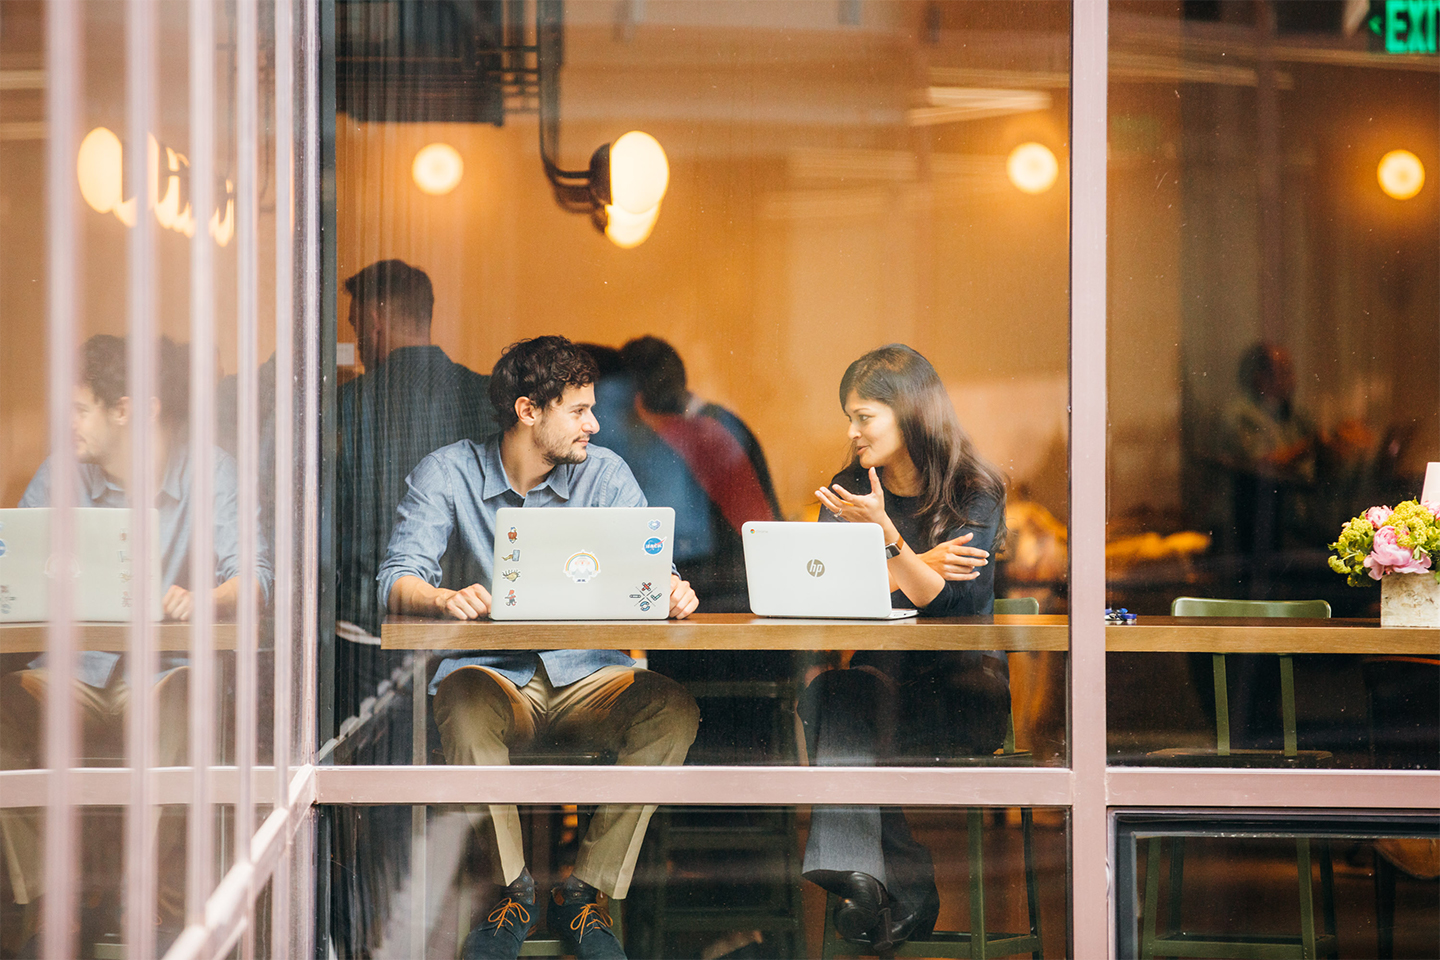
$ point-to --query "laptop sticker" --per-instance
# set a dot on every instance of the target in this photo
(513, 535)
(654, 524)
(511, 575)
(510, 599)
(2, 548)
(512, 557)
(647, 596)
(582, 566)
(654, 545)
(6, 598)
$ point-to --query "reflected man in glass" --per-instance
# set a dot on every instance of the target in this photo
(487, 703)
(102, 419)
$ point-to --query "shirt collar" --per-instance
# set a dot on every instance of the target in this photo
(497, 483)
(173, 485)
(97, 484)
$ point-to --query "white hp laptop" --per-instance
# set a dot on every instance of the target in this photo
(820, 570)
(582, 563)
(101, 567)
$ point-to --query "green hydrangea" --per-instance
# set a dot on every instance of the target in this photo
(1416, 529)
(1350, 551)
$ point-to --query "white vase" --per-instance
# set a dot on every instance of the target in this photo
(1409, 600)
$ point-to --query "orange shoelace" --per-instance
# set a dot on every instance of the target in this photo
(591, 916)
(501, 915)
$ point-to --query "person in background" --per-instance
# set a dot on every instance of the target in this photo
(440, 563)
(103, 416)
(941, 507)
(411, 400)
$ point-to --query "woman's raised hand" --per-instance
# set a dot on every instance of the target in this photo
(857, 507)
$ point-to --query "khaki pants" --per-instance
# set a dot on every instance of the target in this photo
(645, 718)
(102, 720)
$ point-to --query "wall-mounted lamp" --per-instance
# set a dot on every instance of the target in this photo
(626, 180)
(437, 169)
(1401, 174)
(1032, 167)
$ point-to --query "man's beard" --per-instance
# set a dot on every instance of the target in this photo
(558, 449)
(557, 458)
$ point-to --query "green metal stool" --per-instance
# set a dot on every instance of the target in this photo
(978, 942)
(1176, 941)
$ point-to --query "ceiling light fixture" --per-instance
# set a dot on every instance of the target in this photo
(1032, 167)
(1401, 174)
(437, 169)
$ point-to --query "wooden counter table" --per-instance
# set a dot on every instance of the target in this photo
(112, 637)
(739, 631)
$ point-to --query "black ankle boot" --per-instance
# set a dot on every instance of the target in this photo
(864, 907)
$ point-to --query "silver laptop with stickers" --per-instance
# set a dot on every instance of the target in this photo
(818, 570)
(101, 566)
(582, 563)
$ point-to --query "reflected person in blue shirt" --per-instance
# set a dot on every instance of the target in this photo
(101, 418)
(487, 703)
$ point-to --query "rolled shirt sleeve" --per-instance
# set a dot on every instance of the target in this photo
(425, 521)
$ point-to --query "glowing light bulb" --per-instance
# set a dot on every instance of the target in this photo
(99, 168)
(437, 169)
(1032, 167)
(639, 173)
(1401, 174)
(626, 229)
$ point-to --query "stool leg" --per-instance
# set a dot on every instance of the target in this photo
(1327, 896)
(1384, 907)
(1307, 895)
(1173, 922)
(1152, 896)
(1032, 892)
(827, 946)
(978, 941)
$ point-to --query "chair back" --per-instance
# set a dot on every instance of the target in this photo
(1017, 605)
(1207, 607)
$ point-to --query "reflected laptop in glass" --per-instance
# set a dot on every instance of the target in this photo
(101, 566)
(582, 563)
(818, 570)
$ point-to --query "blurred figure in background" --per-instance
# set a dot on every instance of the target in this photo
(411, 400)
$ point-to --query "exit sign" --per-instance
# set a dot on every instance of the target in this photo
(1405, 26)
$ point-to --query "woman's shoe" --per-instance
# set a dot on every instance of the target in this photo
(863, 908)
(902, 925)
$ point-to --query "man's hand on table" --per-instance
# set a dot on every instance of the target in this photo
(470, 603)
(682, 598)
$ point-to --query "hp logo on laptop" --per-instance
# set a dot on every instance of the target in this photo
(815, 568)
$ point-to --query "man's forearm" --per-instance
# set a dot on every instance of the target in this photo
(412, 596)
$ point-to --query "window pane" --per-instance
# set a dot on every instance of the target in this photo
(1269, 284)
(1187, 879)
(708, 881)
(839, 177)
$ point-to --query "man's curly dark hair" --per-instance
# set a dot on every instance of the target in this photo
(539, 368)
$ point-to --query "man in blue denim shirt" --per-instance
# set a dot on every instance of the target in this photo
(486, 703)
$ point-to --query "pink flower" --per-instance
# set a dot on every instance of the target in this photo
(1433, 506)
(1387, 556)
(1378, 515)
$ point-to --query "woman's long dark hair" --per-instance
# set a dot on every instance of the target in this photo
(953, 476)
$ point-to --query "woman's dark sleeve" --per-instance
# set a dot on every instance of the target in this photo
(966, 598)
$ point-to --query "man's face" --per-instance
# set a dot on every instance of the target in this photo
(367, 333)
(99, 430)
(565, 426)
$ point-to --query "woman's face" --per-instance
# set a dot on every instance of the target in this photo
(874, 432)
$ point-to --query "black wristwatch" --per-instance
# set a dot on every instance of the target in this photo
(892, 550)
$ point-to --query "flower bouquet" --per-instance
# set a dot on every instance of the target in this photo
(1399, 548)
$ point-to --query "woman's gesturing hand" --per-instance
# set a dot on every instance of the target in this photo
(858, 507)
(953, 560)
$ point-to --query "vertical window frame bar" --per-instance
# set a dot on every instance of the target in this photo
(246, 688)
(1091, 893)
(284, 546)
(201, 835)
(63, 63)
(140, 75)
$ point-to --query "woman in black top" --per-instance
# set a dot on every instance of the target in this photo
(914, 472)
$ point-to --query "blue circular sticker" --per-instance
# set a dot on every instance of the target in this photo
(654, 545)
(2, 548)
